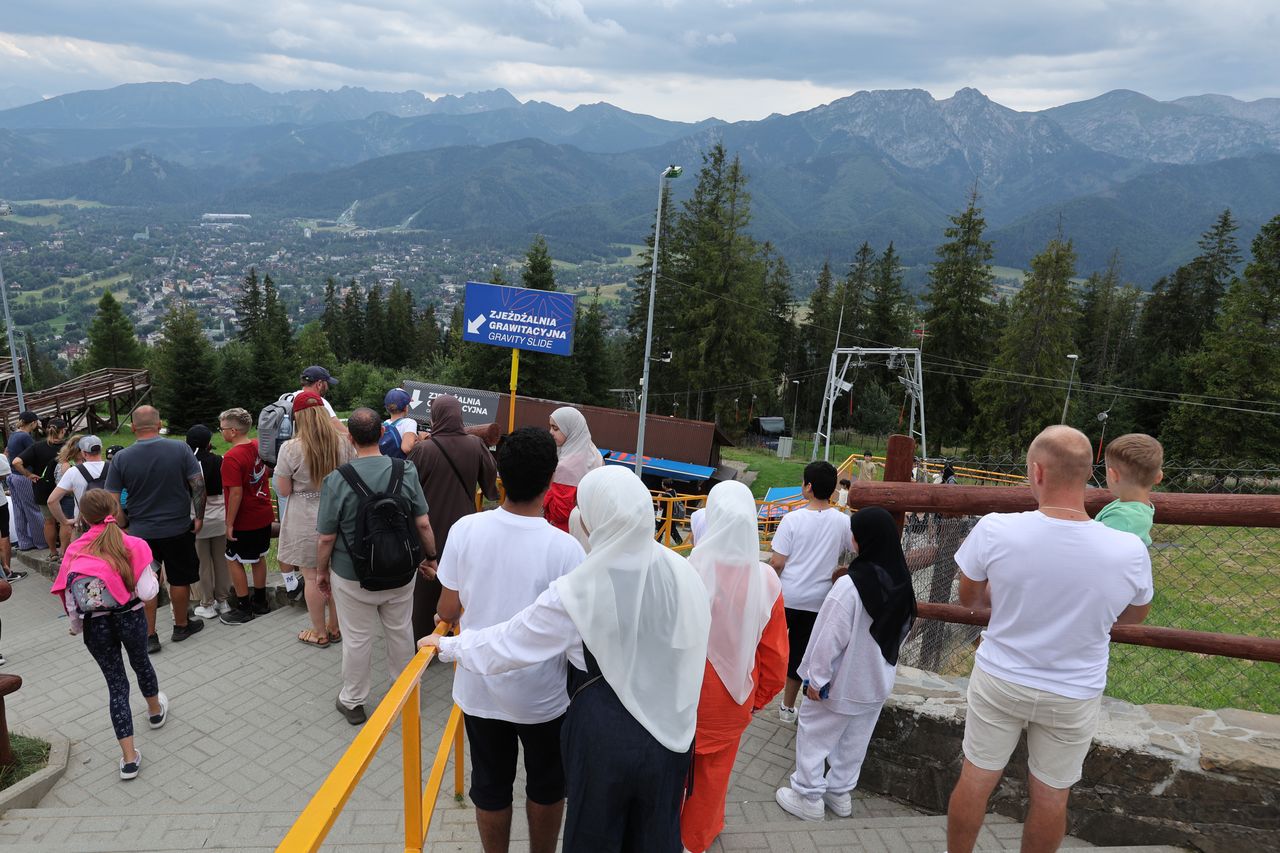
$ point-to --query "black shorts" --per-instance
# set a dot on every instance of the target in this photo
(249, 546)
(176, 556)
(493, 761)
(799, 627)
(4, 521)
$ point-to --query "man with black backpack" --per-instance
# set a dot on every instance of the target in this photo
(375, 538)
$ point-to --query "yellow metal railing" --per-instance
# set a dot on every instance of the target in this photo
(403, 701)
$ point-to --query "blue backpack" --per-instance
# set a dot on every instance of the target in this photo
(389, 444)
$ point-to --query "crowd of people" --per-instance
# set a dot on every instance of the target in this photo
(666, 659)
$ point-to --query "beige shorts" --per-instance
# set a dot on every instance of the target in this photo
(1059, 730)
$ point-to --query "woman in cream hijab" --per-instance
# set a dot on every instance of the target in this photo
(578, 457)
(633, 620)
(746, 653)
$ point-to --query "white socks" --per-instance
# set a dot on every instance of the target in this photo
(290, 581)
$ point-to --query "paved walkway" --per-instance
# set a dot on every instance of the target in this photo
(253, 732)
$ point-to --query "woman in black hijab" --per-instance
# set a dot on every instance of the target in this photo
(848, 668)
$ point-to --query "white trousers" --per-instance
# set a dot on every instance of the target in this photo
(360, 611)
(826, 737)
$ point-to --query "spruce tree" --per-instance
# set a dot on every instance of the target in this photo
(249, 306)
(666, 297)
(538, 272)
(374, 343)
(778, 298)
(184, 371)
(353, 322)
(1238, 362)
(1036, 340)
(958, 321)
(112, 339)
(590, 372)
(399, 347)
(1215, 268)
(889, 306)
(1167, 326)
(853, 296)
(427, 344)
(331, 321)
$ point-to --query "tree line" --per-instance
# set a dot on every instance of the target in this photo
(1192, 361)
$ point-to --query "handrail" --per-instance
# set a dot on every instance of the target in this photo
(1265, 649)
(403, 700)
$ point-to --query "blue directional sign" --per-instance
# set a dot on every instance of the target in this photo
(519, 318)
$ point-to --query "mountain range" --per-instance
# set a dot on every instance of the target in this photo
(1120, 171)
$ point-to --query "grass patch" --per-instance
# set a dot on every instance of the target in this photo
(78, 203)
(32, 754)
(43, 219)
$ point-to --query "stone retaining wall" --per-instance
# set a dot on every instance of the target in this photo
(1157, 774)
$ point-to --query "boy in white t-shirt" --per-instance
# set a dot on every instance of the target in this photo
(806, 553)
(494, 565)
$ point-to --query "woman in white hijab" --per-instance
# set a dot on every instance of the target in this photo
(746, 653)
(578, 457)
(633, 620)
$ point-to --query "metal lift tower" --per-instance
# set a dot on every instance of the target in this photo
(905, 359)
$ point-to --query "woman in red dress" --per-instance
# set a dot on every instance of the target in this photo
(578, 456)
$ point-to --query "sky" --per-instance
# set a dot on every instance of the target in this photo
(678, 59)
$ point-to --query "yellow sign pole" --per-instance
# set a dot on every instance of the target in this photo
(515, 371)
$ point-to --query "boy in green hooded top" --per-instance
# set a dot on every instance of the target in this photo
(1133, 469)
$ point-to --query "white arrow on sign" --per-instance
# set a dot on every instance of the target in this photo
(473, 326)
(416, 399)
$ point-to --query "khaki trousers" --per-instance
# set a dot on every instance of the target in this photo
(360, 611)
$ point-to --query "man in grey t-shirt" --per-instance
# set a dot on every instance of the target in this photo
(161, 480)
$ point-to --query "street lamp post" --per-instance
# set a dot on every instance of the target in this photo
(8, 325)
(795, 405)
(1067, 402)
(669, 172)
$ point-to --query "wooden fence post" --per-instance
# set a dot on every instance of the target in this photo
(900, 455)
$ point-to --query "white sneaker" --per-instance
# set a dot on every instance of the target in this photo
(841, 805)
(787, 715)
(223, 607)
(207, 611)
(793, 803)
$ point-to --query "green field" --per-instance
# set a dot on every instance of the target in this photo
(78, 203)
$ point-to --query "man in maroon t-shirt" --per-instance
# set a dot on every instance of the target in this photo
(246, 483)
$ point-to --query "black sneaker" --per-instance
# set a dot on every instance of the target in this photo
(355, 716)
(237, 615)
(130, 770)
(14, 577)
(153, 647)
(259, 607)
(181, 632)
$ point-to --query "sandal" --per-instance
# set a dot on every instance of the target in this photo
(335, 636)
(313, 638)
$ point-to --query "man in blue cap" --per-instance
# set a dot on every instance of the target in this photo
(397, 403)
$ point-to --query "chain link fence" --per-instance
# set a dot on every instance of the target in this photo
(1218, 579)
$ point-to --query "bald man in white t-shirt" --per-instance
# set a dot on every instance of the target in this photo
(1056, 582)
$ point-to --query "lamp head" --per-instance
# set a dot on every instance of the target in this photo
(673, 171)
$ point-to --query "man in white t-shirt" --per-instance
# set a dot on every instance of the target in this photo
(317, 380)
(75, 482)
(1056, 582)
(806, 552)
(494, 565)
(397, 403)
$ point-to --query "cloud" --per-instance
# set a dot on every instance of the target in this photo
(678, 58)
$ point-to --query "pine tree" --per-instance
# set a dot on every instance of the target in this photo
(249, 307)
(958, 320)
(538, 272)
(721, 328)
(40, 367)
(1239, 362)
(276, 328)
(427, 344)
(399, 348)
(853, 296)
(373, 347)
(184, 368)
(1166, 328)
(889, 306)
(1037, 341)
(1215, 268)
(666, 297)
(331, 322)
(589, 368)
(778, 298)
(112, 339)
(353, 322)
